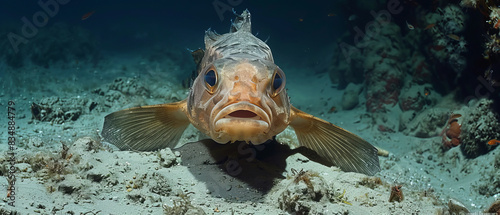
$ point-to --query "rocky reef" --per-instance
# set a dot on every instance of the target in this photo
(480, 124)
(405, 69)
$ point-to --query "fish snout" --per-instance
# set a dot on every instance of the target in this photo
(244, 88)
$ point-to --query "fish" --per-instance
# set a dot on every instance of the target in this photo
(454, 116)
(454, 37)
(430, 26)
(494, 142)
(410, 26)
(438, 47)
(497, 24)
(239, 95)
(427, 91)
(87, 15)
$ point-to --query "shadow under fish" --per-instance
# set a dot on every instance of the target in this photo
(244, 167)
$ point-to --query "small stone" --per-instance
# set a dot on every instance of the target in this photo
(66, 188)
(195, 211)
(82, 144)
(36, 142)
(94, 176)
(457, 207)
(167, 157)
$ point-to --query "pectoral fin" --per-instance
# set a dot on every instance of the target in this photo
(146, 128)
(343, 148)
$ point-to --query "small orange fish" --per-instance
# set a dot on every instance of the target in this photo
(332, 14)
(430, 26)
(427, 91)
(438, 47)
(410, 26)
(87, 15)
(494, 142)
(454, 37)
(300, 19)
(454, 116)
(497, 24)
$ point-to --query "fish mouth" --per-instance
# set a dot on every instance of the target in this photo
(242, 120)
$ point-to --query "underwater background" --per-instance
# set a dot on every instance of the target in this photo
(418, 79)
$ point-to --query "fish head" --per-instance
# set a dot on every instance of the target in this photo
(239, 99)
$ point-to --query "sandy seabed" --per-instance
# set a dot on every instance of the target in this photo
(63, 167)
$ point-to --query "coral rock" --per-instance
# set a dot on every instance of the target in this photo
(480, 124)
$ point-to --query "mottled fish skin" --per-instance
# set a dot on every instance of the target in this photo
(238, 95)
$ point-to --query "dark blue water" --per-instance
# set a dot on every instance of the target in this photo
(292, 27)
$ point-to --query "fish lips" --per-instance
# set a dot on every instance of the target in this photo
(242, 120)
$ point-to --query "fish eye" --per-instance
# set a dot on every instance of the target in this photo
(278, 82)
(210, 79)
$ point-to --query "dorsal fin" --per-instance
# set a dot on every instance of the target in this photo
(210, 38)
(242, 22)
